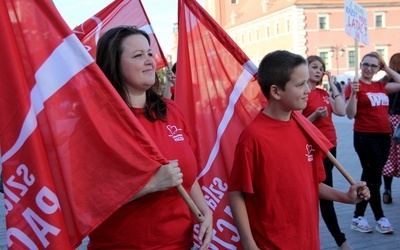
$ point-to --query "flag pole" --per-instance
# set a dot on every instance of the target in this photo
(340, 168)
(195, 210)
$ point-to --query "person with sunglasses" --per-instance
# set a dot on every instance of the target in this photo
(368, 103)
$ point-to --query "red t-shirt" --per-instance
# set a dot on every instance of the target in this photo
(320, 98)
(160, 220)
(279, 169)
(372, 108)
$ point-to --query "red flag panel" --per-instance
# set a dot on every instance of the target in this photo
(219, 96)
(119, 12)
(71, 150)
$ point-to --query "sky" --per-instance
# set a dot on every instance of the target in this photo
(162, 14)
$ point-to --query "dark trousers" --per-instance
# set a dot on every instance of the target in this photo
(328, 212)
(373, 151)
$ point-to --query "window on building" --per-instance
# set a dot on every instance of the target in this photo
(242, 38)
(277, 28)
(257, 34)
(379, 20)
(234, 1)
(267, 32)
(382, 50)
(323, 22)
(288, 26)
(352, 58)
(325, 57)
(249, 36)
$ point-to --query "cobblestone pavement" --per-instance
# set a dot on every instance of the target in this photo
(349, 160)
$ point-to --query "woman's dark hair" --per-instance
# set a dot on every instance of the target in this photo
(311, 59)
(108, 57)
(276, 68)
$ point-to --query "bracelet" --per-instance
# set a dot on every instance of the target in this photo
(336, 96)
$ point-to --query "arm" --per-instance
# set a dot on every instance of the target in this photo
(170, 81)
(336, 100)
(357, 192)
(166, 176)
(351, 104)
(240, 216)
(206, 230)
(392, 87)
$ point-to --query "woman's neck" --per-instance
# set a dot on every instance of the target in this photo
(366, 80)
(312, 85)
(137, 101)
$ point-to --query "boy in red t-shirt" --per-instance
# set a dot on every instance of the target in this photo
(278, 171)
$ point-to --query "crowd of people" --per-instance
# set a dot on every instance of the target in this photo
(262, 186)
(268, 175)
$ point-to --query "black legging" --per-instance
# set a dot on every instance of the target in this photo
(373, 151)
(328, 212)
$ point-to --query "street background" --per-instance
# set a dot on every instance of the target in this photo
(349, 160)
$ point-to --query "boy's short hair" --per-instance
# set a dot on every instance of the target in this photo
(276, 68)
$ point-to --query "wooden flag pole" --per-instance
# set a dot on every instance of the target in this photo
(340, 168)
(356, 60)
(195, 210)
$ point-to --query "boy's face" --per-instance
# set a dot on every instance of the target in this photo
(295, 95)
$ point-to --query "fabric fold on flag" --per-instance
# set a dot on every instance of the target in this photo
(71, 150)
(119, 12)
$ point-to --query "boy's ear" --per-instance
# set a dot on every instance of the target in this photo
(275, 92)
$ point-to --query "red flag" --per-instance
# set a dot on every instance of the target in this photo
(315, 134)
(219, 96)
(119, 12)
(71, 150)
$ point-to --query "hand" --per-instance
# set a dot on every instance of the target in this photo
(321, 112)
(359, 192)
(170, 76)
(168, 176)
(206, 231)
(355, 87)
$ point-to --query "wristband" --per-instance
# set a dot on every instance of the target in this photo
(336, 96)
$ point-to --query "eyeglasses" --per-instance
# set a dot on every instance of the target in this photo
(367, 65)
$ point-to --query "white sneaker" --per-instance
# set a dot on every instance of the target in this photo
(361, 224)
(383, 226)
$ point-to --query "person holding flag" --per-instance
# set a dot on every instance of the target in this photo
(156, 217)
(275, 185)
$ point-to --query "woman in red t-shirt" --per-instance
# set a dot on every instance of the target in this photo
(156, 217)
(320, 106)
(368, 104)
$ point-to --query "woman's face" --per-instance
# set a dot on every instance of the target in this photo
(316, 71)
(369, 67)
(137, 64)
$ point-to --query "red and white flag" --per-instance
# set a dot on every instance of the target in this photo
(119, 12)
(218, 93)
(71, 150)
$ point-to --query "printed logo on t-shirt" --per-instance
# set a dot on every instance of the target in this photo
(378, 99)
(310, 150)
(326, 99)
(175, 133)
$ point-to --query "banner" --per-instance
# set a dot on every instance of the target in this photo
(218, 93)
(119, 12)
(356, 21)
(71, 150)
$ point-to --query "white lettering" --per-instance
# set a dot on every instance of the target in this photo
(23, 169)
(35, 221)
(21, 236)
(43, 198)
(378, 99)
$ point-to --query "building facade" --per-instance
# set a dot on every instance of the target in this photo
(308, 27)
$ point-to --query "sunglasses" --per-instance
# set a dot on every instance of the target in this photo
(367, 65)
